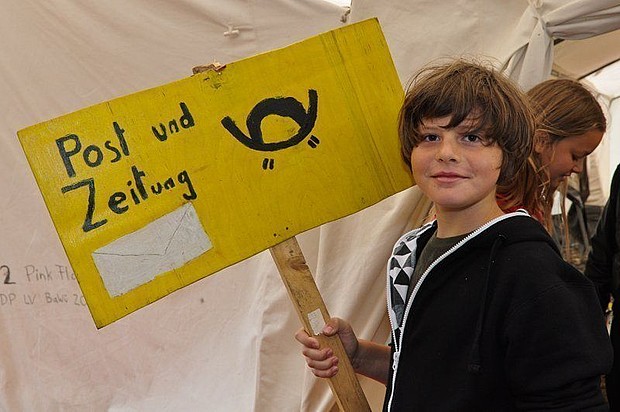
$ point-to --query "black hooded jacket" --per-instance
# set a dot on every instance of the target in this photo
(499, 322)
(603, 266)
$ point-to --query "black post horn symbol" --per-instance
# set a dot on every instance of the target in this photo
(281, 106)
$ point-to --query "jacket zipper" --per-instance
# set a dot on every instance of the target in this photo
(398, 345)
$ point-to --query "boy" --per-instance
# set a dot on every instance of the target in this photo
(485, 313)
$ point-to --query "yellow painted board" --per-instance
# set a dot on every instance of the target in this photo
(155, 190)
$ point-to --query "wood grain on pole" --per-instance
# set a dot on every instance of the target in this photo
(313, 314)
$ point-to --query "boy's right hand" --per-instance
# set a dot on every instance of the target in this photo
(322, 361)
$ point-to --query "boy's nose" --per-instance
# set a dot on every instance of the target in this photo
(446, 151)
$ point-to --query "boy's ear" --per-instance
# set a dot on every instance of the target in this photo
(541, 141)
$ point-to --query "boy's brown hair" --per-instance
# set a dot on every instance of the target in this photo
(460, 89)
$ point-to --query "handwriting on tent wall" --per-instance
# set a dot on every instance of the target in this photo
(153, 191)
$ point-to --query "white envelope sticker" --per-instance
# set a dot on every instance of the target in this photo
(164, 244)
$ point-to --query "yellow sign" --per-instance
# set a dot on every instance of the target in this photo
(153, 191)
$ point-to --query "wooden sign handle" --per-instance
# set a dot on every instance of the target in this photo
(311, 309)
(313, 314)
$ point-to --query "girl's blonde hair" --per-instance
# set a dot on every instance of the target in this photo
(562, 108)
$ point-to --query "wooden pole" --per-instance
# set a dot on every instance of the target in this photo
(311, 309)
(313, 314)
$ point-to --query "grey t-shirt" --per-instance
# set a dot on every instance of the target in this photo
(434, 248)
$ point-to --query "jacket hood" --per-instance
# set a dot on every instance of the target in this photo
(516, 227)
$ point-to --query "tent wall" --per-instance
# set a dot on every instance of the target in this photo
(226, 342)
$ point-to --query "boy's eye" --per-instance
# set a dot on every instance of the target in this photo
(430, 137)
(472, 138)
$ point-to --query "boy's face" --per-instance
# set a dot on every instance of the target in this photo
(456, 168)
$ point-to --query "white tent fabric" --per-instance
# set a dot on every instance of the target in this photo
(613, 141)
(607, 80)
(558, 19)
(517, 34)
(226, 342)
(223, 344)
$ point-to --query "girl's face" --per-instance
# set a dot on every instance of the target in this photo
(566, 156)
(456, 168)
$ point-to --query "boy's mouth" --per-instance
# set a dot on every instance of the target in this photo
(447, 177)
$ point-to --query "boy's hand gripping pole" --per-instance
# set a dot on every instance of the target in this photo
(313, 315)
